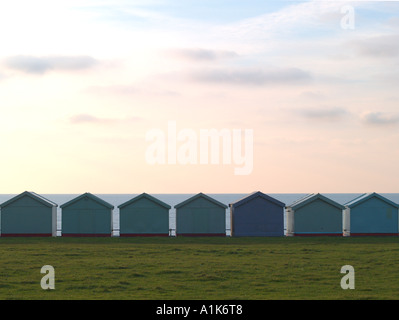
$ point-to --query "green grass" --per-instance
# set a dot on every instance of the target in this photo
(199, 268)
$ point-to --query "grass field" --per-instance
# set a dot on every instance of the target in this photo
(199, 268)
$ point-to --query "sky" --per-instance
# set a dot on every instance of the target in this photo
(88, 89)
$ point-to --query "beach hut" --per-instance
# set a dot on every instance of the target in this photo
(28, 215)
(87, 216)
(201, 215)
(314, 215)
(257, 215)
(144, 215)
(371, 214)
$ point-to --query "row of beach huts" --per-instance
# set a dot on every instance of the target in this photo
(258, 214)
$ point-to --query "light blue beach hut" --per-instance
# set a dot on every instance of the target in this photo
(371, 215)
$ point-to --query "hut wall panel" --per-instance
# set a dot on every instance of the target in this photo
(86, 221)
(86, 217)
(26, 216)
(201, 216)
(258, 217)
(26, 220)
(144, 217)
(318, 217)
(374, 216)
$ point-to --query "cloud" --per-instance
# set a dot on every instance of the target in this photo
(199, 54)
(380, 118)
(386, 46)
(41, 65)
(329, 113)
(393, 22)
(113, 90)
(294, 17)
(313, 95)
(253, 76)
(390, 77)
(85, 118)
(128, 90)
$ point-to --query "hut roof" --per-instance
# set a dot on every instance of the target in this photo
(367, 196)
(254, 195)
(90, 196)
(312, 197)
(200, 195)
(32, 195)
(145, 196)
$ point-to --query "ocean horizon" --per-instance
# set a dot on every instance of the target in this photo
(174, 199)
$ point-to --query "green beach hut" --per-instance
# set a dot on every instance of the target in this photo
(201, 215)
(28, 215)
(143, 216)
(87, 216)
(315, 215)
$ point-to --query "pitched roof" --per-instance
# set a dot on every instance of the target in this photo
(90, 196)
(312, 197)
(254, 195)
(367, 196)
(200, 195)
(146, 196)
(33, 195)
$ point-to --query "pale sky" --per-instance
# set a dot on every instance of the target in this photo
(83, 82)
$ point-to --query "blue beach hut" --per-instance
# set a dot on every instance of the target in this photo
(257, 215)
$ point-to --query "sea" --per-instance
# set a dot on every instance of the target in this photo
(174, 199)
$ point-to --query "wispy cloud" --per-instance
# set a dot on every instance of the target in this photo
(384, 46)
(113, 90)
(324, 113)
(380, 118)
(85, 118)
(389, 77)
(41, 65)
(250, 76)
(127, 90)
(199, 54)
(293, 17)
(312, 95)
(393, 22)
